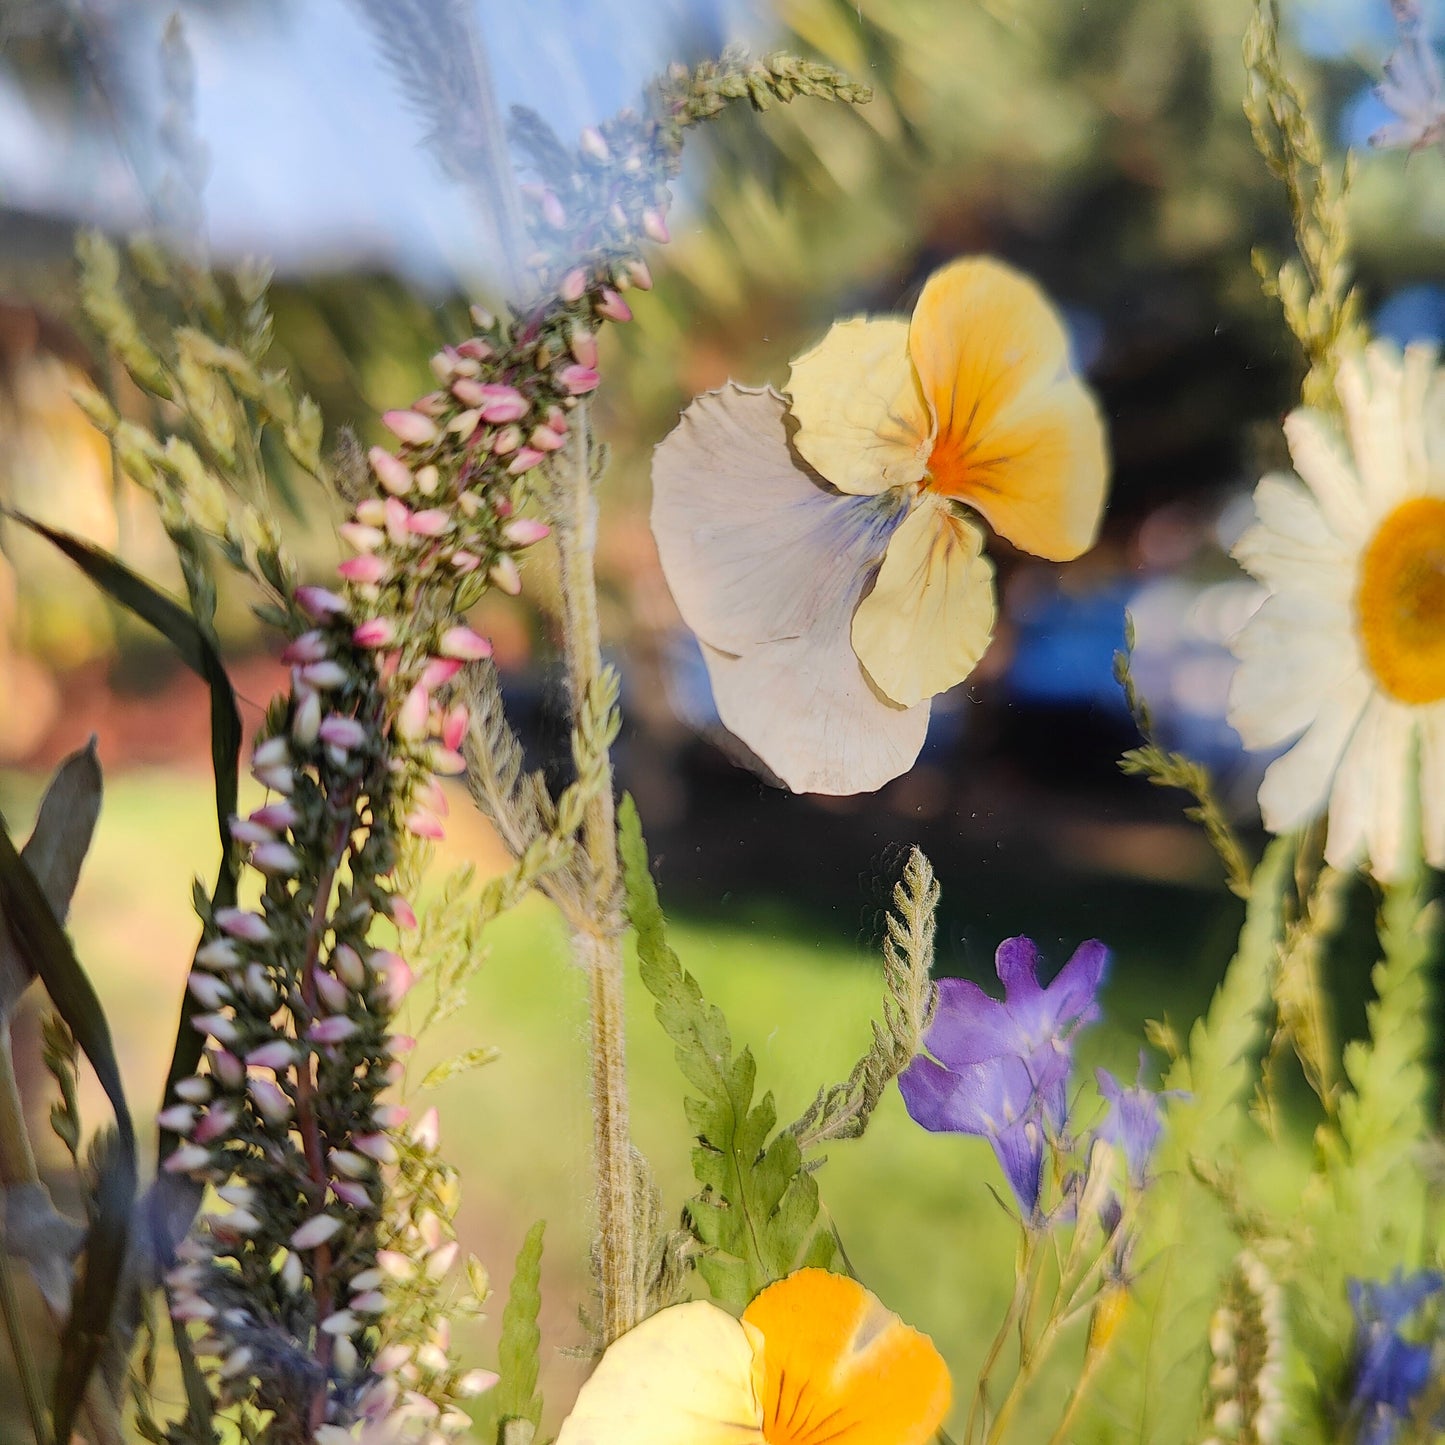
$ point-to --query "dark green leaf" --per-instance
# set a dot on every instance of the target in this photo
(41, 939)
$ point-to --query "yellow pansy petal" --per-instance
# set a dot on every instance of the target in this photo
(840, 1368)
(684, 1376)
(1018, 437)
(862, 420)
(930, 614)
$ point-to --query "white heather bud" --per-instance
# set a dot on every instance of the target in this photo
(347, 963)
(368, 1279)
(334, 994)
(376, 1146)
(370, 1302)
(345, 1359)
(238, 1221)
(441, 1260)
(238, 1362)
(216, 1025)
(343, 1322)
(317, 1230)
(427, 478)
(429, 1357)
(592, 144)
(219, 954)
(306, 720)
(193, 1089)
(207, 990)
(242, 1196)
(248, 927)
(178, 1118)
(349, 1163)
(476, 1382)
(276, 859)
(269, 1099)
(187, 1159)
(273, 753)
(260, 988)
(394, 1264)
(278, 1054)
(293, 1273)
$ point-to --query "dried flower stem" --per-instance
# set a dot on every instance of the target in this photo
(597, 944)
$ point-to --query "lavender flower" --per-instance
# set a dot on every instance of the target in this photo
(1391, 1371)
(1003, 1065)
(1413, 87)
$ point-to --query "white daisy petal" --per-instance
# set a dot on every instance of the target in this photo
(1368, 805)
(767, 566)
(1320, 459)
(1432, 783)
(1291, 545)
(1370, 389)
(1297, 784)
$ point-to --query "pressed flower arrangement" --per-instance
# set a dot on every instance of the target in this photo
(828, 544)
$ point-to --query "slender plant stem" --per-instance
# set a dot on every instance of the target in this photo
(598, 943)
(1024, 1274)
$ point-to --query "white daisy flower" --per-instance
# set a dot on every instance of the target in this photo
(1347, 653)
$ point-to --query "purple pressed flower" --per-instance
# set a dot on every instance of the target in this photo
(1390, 1370)
(1133, 1121)
(1031, 1023)
(1413, 87)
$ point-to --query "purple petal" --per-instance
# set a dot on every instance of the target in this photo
(969, 1026)
(1017, 962)
(1073, 994)
(1020, 1153)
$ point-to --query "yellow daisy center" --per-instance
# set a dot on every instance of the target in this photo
(1401, 601)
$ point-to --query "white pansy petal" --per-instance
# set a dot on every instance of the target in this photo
(1297, 784)
(752, 543)
(862, 420)
(1432, 782)
(1320, 459)
(684, 1376)
(1368, 803)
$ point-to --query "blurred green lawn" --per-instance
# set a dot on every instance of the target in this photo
(915, 1211)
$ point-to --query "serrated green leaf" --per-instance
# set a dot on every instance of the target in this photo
(461, 1064)
(515, 1396)
(758, 1209)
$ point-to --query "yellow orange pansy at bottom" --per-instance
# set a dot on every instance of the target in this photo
(815, 1360)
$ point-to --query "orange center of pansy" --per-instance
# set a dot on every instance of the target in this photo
(1400, 602)
(952, 471)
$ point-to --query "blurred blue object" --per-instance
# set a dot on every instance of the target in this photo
(1413, 313)
(1341, 29)
(1361, 116)
(1064, 652)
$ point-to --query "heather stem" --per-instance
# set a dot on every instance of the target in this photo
(597, 943)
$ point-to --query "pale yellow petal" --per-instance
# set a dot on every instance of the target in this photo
(684, 1376)
(840, 1368)
(862, 421)
(930, 614)
(1018, 436)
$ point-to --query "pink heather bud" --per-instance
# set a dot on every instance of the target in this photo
(309, 647)
(655, 228)
(272, 1103)
(376, 1146)
(525, 531)
(278, 780)
(393, 473)
(505, 575)
(347, 963)
(276, 860)
(249, 927)
(426, 1133)
(227, 1068)
(349, 1163)
(401, 1044)
(325, 675)
(464, 561)
(497, 403)
(331, 1031)
(506, 441)
(446, 761)
(361, 538)
(398, 983)
(319, 603)
(236, 1223)
(208, 990)
(379, 960)
(370, 1302)
(397, 517)
(582, 343)
(441, 1260)
(307, 718)
(639, 274)
(544, 439)
(317, 1230)
(377, 632)
(476, 1382)
(334, 994)
(612, 306)
(443, 364)
(366, 568)
(219, 1122)
(371, 511)
(462, 642)
(278, 1054)
(552, 211)
(390, 665)
(178, 1118)
(187, 1160)
(278, 816)
(426, 480)
(477, 347)
(574, 285)
(525, 460)
(402, 913)
(193, 1089)
(392, 1116)
(348, 1191)
(412, 719)
(592, 144)
(439, 671)
(275, 752)
(454, 725)
(433, 404)
(216, 1026)
(424, 824)
(342, 732)
(410, 426)
(219, 954)
(431, 523)
(394, 1265)
(579, 380)
(464, 423)
(245, 830)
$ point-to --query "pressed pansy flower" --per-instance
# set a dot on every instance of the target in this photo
(815, 1360)
(826, 547)
(1346, 656)
(1000, 1068)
